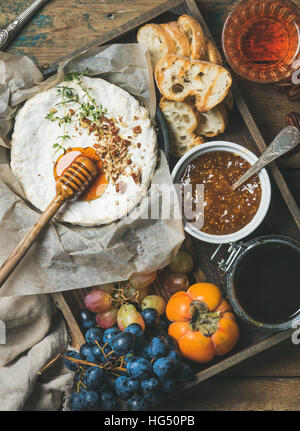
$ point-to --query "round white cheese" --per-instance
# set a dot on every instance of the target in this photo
(33, 156)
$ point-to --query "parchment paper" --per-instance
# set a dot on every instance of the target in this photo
(70, 257)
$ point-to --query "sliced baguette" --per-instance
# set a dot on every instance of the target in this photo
(179, 37)
(213, 122)
(157, 40)
(193, 30)
(179, 77)
(212, 53)
(182, 120)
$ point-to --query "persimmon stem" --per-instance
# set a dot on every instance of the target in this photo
(203, 320)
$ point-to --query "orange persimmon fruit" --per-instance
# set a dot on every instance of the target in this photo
(202, 324)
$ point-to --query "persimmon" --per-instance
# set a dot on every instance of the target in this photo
(203, 324)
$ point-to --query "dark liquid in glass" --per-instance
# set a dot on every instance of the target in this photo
(267, 283)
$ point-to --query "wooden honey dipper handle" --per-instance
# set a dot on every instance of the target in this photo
(71, 184)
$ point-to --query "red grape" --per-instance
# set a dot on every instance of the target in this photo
(176, 282)
(143, 280)
(107, 319)
(98, 301)
(156, 302)
(133, 293)
(182, 262)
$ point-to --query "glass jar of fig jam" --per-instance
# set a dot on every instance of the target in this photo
(261, 40)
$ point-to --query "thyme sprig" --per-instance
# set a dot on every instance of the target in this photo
(88, 107)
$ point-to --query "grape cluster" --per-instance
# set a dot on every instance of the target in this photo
(135, 365)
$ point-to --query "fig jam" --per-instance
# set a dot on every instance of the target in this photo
(225, 210)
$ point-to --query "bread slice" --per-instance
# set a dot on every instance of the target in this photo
(179, 37)
(157, 40)
(213, 122)
(193, 30)
(182, 120)
(212, 53)
(179, 77)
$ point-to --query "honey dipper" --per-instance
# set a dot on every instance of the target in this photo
(77, 177)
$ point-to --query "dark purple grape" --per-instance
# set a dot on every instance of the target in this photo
(98, 353)
(140, 368)
(142, 351)
(153, 398)
(170, 342)
(91, 399)
(108, 400)
(157, 348)
(92, 335)
(184, 373)
(109, 334)
(86, 353)
(168, 384)
(123, 343)
(76, 402)
(136, 330)
(163, 367)
(94, 378)
(133, 384)
(151, 384)
(175, 356)
(86, 318)
(124, 388)
(137, 403)
(69, 364)
(150, 316)
(162, 326)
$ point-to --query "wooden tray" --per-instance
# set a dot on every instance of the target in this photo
(283, 216)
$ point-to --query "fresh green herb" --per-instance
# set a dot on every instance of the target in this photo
(88, 107)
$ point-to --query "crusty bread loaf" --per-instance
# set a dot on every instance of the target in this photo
(182, 120)
(179, 37)
(157, 40)
(193, 30)
(179, 77)
(213, 122)
(212, 53)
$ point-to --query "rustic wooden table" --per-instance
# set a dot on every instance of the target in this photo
(271, 380)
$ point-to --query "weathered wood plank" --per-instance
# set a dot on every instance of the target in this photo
(64, 25)
(280, 361)
(240, 394)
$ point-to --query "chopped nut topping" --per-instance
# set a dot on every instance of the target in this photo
(121, 187)
(137, 177)
(112, 150)
(84, 122)
(137, 130)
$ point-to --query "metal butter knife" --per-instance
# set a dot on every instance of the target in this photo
(285, 141)
(8, 33)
